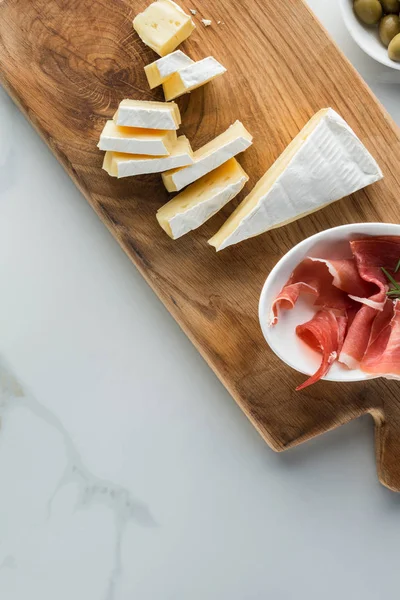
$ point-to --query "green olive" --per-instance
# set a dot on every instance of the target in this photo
(394, 48)
(389, 27)
(391, 7)
(368, 11)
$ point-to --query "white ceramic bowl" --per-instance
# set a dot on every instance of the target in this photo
(282, 338)
(366, 37)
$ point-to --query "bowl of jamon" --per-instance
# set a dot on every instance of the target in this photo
(330, 308)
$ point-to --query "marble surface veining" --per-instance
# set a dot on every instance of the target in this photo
(126, 470)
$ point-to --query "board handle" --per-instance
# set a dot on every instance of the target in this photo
(387, 440)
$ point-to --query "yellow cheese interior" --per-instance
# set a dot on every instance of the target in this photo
(266, 182)
(163, 26)
(233, 132)
(174, 86)
(113, 159)
(153, 75)
(168, 137)
(109, 165)
(181, 146)
(200, 191)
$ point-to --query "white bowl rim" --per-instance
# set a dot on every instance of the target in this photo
(352, 28)
(264, 306)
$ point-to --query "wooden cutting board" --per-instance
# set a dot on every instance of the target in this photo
(68, 63)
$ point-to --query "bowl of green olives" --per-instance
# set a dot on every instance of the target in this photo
(375, 27)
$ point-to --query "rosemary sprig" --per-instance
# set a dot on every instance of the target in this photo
(395, 291)
(391, 278)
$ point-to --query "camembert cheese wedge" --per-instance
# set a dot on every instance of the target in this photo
(192, 77)
(163, 26)
(126, 165)
(148, 115)
(324, 163)
(151, 142)
(234, 140)
(158, 71)
(201, 200)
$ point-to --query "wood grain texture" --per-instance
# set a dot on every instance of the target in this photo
(68, 63)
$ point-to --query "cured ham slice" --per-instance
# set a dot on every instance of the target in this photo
(317, 277)
(324, 333)
(371, 254)
(382, 320)
(383, 354)
(357, 338)
(346, 277)
(358, 323)
(342, 322)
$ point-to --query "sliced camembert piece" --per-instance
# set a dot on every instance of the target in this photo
(148, 115)
(157, 72)
(125, 165)
(163, 26)
(151, 142)
(324, 163)
(234, 140)
(192, 77)
(201, 200)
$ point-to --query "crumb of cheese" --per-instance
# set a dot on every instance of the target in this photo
(206, 22)
(193, 11)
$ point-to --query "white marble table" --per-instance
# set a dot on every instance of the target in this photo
(126, 470)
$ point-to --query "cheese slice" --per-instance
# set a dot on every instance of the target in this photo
(163, 26)
(157, 72)
(125, 165)
(148, 115)
(234, 140)
(151, 142)
(192, 77)
(201, 200)
(324, 163)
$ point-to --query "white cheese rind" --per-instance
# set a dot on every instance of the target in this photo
(192, 77)
(168, 65)
(158, 71)
(148, 115)
(330, 163)
(196, 216)
(127, 165)
(201, 72)
(234, 140)
(203, 199)
(136, 141)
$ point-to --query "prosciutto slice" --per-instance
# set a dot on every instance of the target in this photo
(324, 333)
(381, 320)
(346, 277)
(383, 354)
(357, 338)
(358, 323)
(371, 254)
(329, 281)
